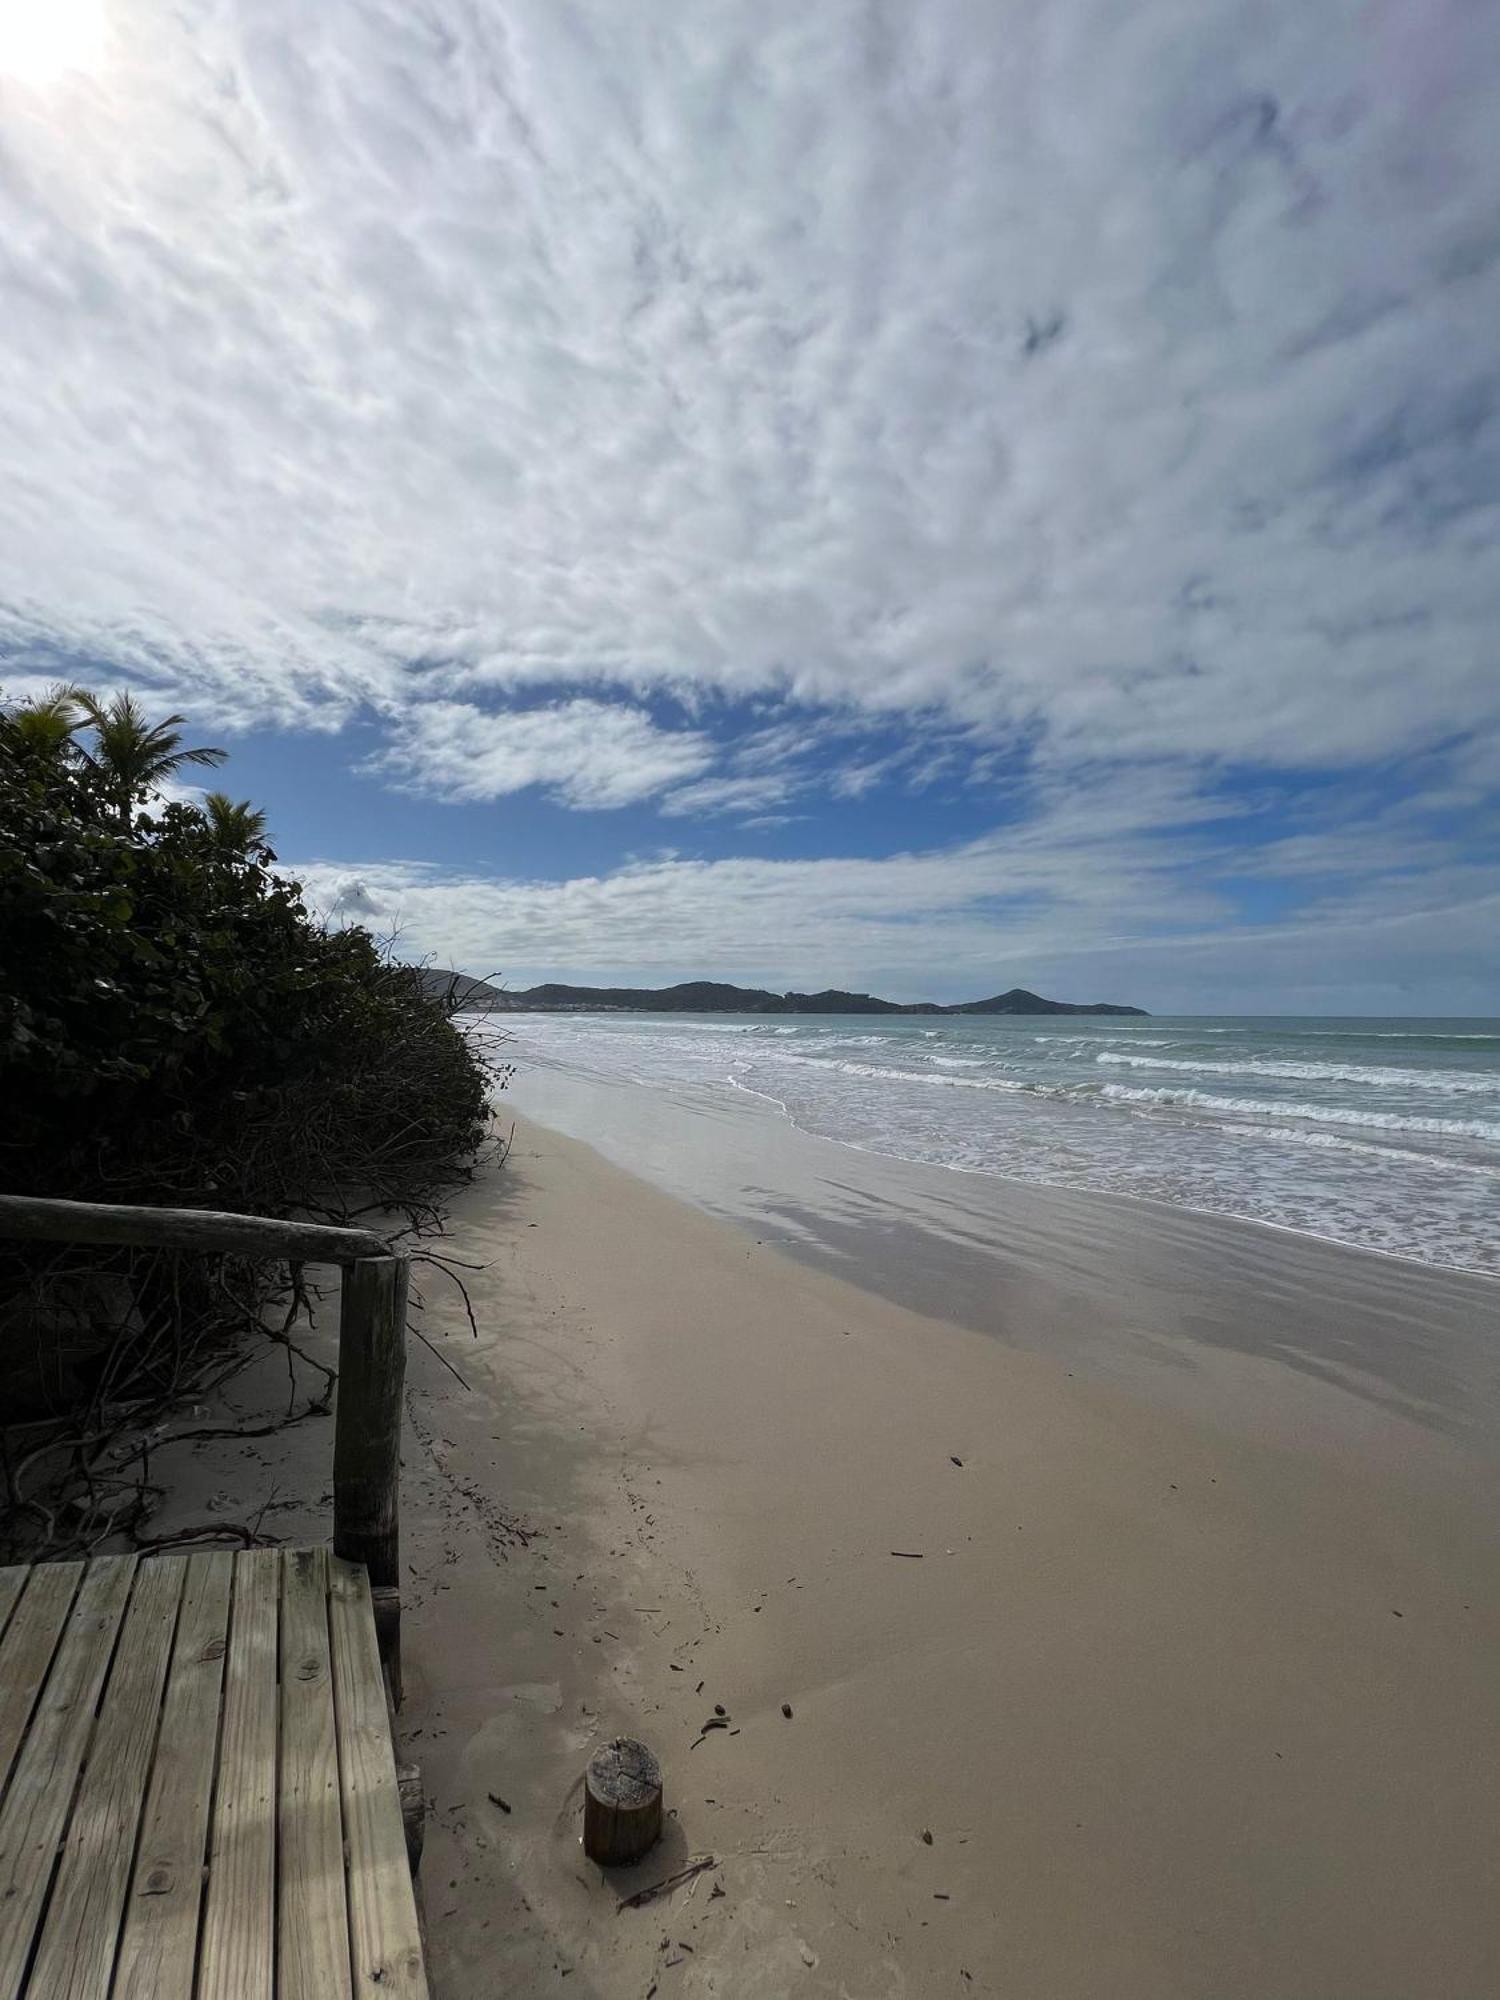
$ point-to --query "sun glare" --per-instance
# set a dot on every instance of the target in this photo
(40, 40)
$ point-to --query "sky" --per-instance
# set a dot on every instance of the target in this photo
(922, 499)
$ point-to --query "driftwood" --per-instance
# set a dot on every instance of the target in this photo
(667, 1884)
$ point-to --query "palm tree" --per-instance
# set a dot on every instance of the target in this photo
(132, 756)
(42, 729)
(235, 825)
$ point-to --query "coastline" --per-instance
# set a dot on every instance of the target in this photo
(1268, 1329)
(1186, 1709)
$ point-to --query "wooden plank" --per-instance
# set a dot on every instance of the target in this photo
(26, 1651)
(238, 1957)
(386, 1945)
(12, 1583)
(31, 1219)
(76, 1957)
(158, 1947)
(41, 1791)
(312, 1924)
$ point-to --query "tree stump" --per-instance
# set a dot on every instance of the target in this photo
(621, 1803)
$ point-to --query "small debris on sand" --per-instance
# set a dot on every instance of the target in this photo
(668, 1882)
(911, 1555)
(786, 1709)
(926, 1837)
(955, 1461)
(496, 1800)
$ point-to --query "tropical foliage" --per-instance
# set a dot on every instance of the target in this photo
(174, 1025)
(177, 1028)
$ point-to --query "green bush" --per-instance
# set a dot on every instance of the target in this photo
(176, 1027)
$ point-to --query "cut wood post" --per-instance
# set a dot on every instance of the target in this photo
(367, 1435)
(413, 1811)
(621, 1803)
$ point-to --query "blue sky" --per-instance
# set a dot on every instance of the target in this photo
(921, 499)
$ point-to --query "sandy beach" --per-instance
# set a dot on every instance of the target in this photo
(1089, 1694)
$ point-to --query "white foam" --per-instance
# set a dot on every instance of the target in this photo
(879, 1071)
(1382, 1121)
(1444, 1082)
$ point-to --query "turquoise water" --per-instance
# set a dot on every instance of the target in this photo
(1380, 1133)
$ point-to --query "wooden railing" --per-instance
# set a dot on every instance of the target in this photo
(371, 1360)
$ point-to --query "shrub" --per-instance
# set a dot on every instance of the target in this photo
(176, 1028)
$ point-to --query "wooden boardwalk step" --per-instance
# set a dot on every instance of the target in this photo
(197, 1784)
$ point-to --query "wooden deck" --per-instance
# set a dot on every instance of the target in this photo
(197, 1786)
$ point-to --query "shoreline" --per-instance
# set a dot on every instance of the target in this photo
(1184, 1710)
(1219, 1315)
(1037, 1110)
(1153, 1202)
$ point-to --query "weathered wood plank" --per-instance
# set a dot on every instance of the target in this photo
(12, 1583)
(312, 1924)
(159, 1944)
(386, 1944)
(41, 1790)
(238, 1956)
(367, 1439)
(31, 1219)
(76, 1957)
(26, 1651)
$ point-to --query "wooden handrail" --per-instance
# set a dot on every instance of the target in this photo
(372, 1354)
(34, 1220)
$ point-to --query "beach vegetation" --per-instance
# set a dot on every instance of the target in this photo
(177, 1027)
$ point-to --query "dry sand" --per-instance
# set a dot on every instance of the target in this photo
(1184, 1712)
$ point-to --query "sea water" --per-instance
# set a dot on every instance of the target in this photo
(1379, 1133)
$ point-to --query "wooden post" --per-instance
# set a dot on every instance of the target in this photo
(621, 1803)
(367, 1434)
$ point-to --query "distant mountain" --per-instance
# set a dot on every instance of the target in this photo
(710, 996)
(1019, 1001)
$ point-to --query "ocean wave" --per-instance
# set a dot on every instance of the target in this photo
(881, 1073)
(1390, 1035)
(1444, 1082)
(668, 1024)
(1325, 1114)
(1112, 1035)
(1334, 1142)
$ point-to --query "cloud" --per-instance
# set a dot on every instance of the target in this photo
(731, 795)
(587, 753)
(948, 925)
(1119, 380)
(1114, 886)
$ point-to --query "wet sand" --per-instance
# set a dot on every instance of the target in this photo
(1192, 1691)
(1254, 1326)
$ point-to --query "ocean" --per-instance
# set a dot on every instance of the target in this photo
(1383, 1134)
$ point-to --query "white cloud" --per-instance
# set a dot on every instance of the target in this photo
(731, 795)
(1123, 376)
(589, 753)
(1106, 923)
(1114, 887)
